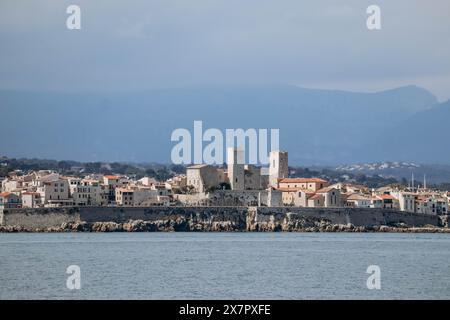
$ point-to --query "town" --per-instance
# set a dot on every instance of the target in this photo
(236, 184)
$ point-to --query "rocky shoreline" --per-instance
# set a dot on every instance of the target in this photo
(184, 225)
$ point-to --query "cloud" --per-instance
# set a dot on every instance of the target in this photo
(138, 45)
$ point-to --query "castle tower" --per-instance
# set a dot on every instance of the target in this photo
(236, 172)
(278, 167)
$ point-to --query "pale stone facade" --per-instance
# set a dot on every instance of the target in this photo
(202, 177)
(55, 193)
(31, 200)
(236, 168)
(278, 167)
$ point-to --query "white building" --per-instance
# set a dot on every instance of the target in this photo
(141, 196)
(407, 201)
(31, 200)
(90, 192)
(359, 201)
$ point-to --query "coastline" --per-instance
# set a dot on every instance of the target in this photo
(181, 225)
(218, 219)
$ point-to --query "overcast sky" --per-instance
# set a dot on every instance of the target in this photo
(139, 45)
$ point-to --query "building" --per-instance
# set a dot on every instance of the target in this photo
(55, 193)
(252, 177)
(124, 197)
(9, 200)
(10, 185)
(358, 200)
(387, 201)
(141, 196)
(147, 181)
(239, 176)
(90, 192)
(112, 182)
(278, 167)
(31, 200)
(202, 178)
(331, 197)
(73, 183)
(407, 201)
(45, 176)
(376, 202)
(432, 205)
(316, 201)
(295, 197)
(309, 192)
(236, 168)
(312, 184)
(178, 183)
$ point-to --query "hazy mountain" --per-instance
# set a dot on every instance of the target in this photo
(424, 136)
(434, 174)
(316, 126)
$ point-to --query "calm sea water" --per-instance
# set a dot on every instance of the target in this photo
(224, 265)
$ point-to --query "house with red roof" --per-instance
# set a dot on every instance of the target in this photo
(9, 200)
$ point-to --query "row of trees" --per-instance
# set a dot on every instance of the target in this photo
(157, 171)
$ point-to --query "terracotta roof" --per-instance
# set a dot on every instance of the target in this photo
(315, 197)
(5, 194)
(386, 197)
(111, 177)
(301, 180)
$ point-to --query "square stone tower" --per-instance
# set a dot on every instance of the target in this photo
(236, 170)
(278, 167)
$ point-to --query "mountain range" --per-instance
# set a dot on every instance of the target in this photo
(317, 127)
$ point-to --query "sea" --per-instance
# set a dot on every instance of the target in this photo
(241, 265)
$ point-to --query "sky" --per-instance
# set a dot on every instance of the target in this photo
(136, 45)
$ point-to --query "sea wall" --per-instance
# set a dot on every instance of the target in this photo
(294, 218)
(39, 217)
(215, 218)
(196, 217)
